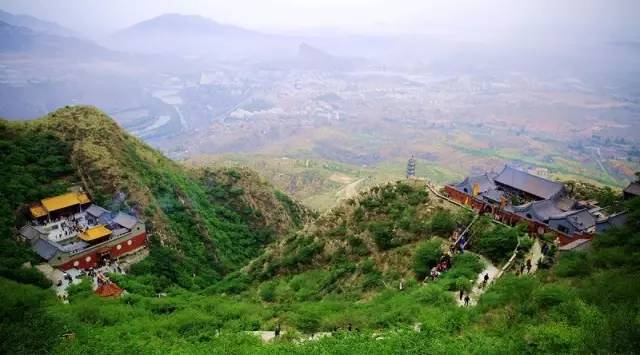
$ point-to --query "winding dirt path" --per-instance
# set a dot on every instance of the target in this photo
(349, 190)
(478, 289)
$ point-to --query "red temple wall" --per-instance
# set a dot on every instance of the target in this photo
(535, 227)
(125, 247)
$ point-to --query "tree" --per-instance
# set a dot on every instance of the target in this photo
(497, 244)
(427, 256)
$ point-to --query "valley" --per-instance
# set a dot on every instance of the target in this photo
(415, 178)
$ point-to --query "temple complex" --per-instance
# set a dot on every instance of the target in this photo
(69, 231)
(513, 196)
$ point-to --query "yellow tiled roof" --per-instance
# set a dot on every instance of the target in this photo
(65, 200)
(95, 233)
(37, 211)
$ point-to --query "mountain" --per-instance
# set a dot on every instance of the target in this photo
(36, 24)
(203, 222)
(197, 36)
(228, 264)
(185, 35)
(181, 25)
(23, 40)
(312, 58)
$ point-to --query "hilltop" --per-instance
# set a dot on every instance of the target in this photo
(203, 222)
(36, 24)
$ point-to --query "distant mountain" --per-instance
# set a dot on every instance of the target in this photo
(36, 24)
(189, 35)
(312, 58)
(24, 40)
(176, 24)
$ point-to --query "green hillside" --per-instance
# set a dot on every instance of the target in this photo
(203, 222)
(260, 259)
(320, 183)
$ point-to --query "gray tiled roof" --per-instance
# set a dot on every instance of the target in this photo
(613, 221)
(493, 195)
(125, 220)
(534, 185)
(45, 249)
(581, 219)
(485, 182)
(30, 233)
(633, 188)
(575, 244)
(96, 210)
(539, 210)
(74, 246)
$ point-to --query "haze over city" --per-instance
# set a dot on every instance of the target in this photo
(319, 177)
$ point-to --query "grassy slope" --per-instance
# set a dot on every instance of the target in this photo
(365, 244)
(320, 183)
(193, 231)
(556, 311)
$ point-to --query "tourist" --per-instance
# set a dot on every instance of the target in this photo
(486, 279)
(466, 300)
(461, 293)
(277, 331)
(528, 265)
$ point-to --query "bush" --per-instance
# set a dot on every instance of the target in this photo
(497, 244)
(432, 295)
(463, 272)
(552, 295)
(382, 235)
(427, 255)
(525, 244)
(306, 322)
(268, 291)
(443, 222)
(573, 264)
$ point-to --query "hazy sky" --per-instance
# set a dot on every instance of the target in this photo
(586, 17)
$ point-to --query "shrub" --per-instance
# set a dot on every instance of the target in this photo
(306, 322)
(442, 222)
(433, 295)
(426, 256)
(357, 245)
(463, 272)
(371, 280)
(573, 264)
(382, 235)
(497, 244)
(268, 291)
(525, 243)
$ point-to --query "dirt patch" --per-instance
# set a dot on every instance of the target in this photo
(341, 178)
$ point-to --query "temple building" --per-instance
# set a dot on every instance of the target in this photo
(514, 196)
(68, 231)
(632, 191)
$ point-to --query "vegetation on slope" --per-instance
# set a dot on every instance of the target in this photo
(364, 244)
(345, 268)
(320, 183)
(584, 304)
(198, 225)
